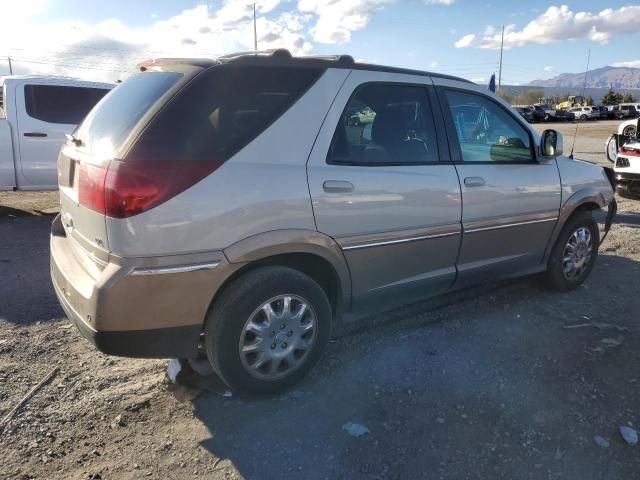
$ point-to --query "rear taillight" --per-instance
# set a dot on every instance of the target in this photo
(91, 186)
(123, 189)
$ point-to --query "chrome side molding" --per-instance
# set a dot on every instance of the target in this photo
(175, 269)
(401, 240)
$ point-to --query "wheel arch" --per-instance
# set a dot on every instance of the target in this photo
(587, 199)
(310, 252)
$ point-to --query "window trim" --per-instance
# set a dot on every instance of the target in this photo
(454, 143)
(430, 97)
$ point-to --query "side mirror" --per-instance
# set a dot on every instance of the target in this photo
(551, 143)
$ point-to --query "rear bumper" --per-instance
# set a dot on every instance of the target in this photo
(143, 307)
(167, 342)
(627, 182)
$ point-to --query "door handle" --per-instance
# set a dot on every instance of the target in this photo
(474, 182)
(35, 134)
(337, 186)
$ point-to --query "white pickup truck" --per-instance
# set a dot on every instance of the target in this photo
(36, 112)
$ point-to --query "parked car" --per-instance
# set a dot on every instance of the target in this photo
(562, 115)
(627, 168)
(549, 111)
(629, 110)
(227, 207)
(611, 112)
(627, 130)
(585, 113)
(540, 114)
(36, 113)
(526, 113)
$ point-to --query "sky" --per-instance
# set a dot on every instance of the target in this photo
(105, 40)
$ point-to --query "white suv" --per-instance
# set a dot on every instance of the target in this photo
(232, 208)
(585, 113)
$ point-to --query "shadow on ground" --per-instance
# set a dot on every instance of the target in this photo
(26, 295)
(493, 386)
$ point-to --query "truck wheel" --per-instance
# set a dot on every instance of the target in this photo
(574, 253)
(267, 330)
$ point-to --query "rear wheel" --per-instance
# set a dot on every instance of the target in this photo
(574, 253)
(584, 118)
(629, 131)
(267, 330)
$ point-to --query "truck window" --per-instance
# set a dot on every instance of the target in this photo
(61, 104)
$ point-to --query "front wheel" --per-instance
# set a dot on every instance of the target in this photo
(574, 253)
(584, 118)
(267, 330)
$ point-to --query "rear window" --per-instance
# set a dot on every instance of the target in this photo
(107, 126)
(221, 111)
(61, 104)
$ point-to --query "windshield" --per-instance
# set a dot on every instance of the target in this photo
(108, 124)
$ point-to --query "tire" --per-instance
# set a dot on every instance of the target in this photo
(555, 276)
(629, 131)
(227, 329)
(584, 118)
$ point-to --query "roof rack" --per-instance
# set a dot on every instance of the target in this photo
(284, 53)
(283, 57)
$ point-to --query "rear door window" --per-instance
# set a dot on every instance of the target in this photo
(385, 124)
(61, 104)
(221, 111)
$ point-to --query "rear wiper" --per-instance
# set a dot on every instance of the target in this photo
(76, 141)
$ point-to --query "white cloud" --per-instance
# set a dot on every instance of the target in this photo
(560, 23)
(628, 64)
(478, 80)
(337, 19)
(110, 49)
(439, 2)
(433, 64)
(466, 41)
(549, 68)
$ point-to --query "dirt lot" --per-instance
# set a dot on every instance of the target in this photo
(492, 383)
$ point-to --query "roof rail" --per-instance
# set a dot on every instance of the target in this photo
(273, 52)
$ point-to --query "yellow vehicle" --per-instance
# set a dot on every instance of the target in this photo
(572, 101)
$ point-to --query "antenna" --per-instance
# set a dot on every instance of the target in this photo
(501, 49)
(584, 88)
(255, 30)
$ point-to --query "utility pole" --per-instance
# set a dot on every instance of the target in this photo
(501, 49)
(10, 66)
(255, 30)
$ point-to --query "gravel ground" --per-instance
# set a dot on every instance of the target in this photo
(490, 383)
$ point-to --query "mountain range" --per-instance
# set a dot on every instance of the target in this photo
(605, 77)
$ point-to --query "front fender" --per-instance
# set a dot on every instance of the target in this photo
(585, 196)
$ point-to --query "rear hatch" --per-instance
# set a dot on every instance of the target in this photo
(96, 146)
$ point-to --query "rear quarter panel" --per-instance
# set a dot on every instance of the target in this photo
(261, 188)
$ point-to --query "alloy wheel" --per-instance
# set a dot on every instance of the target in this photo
(577, 253)
(278, 337)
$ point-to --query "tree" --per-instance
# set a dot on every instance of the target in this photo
(612, 98)
(506, 96)
(627, 98)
